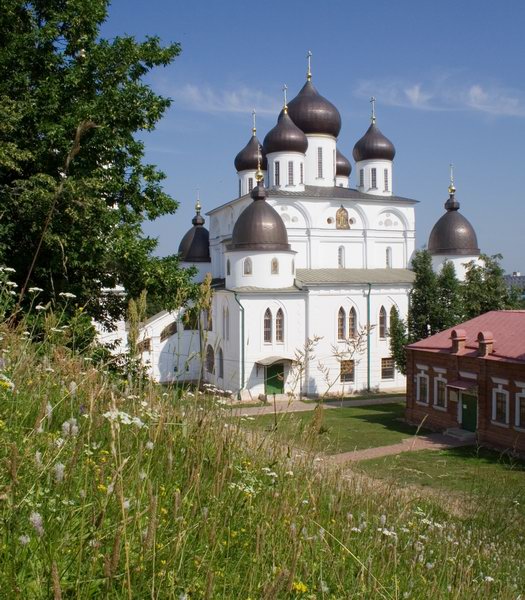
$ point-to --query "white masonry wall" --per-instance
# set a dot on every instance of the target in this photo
(327, 143)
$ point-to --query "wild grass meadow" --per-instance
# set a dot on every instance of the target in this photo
(114, 488)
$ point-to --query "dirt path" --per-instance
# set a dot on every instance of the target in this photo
(432, 441)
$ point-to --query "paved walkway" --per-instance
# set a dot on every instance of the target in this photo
(432, 441)
(283, 406)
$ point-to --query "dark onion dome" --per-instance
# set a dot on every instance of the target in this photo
(374, 145)
(342, 165)
(195, 245)
(259, 226)
(313, 113)
(248, 157)
(453, 234)
(285, 136)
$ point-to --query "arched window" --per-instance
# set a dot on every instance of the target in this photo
(221, 363)
(247, 266)
(293, 266)
(228, 267)
(341, 257)
(352, 323)
(275, 266)
(268, 326)
(382, 323)
(210, 360)
(388, 258)
(279, 326)
(341, 324)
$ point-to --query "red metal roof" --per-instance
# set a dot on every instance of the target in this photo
(506, 326)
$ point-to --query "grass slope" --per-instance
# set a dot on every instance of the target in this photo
(109, 489)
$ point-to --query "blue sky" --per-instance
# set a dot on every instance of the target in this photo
(449, 78)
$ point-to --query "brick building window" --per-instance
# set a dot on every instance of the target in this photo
(520, 410)
(347, 371)
(422, 388)
(500, 406)
(387, 368)
(440, 392)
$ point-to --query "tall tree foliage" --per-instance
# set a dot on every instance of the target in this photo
(74, 186)
(398, 340)
(450, 309)
(423, 319)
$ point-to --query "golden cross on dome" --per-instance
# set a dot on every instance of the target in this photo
(451, 187)
(373, 103)
(285, 89)
(254, 128)
(259, 176)
(198, 203)
(309, 72)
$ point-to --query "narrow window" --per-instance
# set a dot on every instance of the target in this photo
(422, 388)
(293, 266)
(279, 326)
(319, 163)
(277, 169)
(144, 346)
(352, 323)
(520, 410)
(224, 322)
(374, 179)
(290, 172)
(210, 360)
(341, 324)
(227, 327)
(440, 392)
(500, 406)
(341, 257)
(268, 326)
(275, 266)
(228, 267)
(250, 184)
(347, 371)
(168, 331)
(240, 191)
(361, 178)
(387, 368)
(302, 172)
(386, 180)
(388, 258)
(382, 323)
(221, 363)
(247, 266)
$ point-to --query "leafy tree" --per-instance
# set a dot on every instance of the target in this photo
(74, 187)
(450, 301)
(485, 289)
(398, 340)
(423, 317)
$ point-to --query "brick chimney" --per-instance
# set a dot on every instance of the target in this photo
(486, 343)
(459, 338)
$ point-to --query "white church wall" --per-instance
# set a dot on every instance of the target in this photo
(459, 262)
(383, 186)
(327, 144)
(257, 269)
(287, 179)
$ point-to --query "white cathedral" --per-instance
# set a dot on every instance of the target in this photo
(306, 270)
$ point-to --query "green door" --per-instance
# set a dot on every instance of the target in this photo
(469, 408)
(275, 379)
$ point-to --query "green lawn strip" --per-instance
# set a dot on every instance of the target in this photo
(477, 471)
(342, 429)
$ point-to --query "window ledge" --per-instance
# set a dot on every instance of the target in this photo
(499, 424)
(441, 408)
(387, 378)
(421, 403)
(522, 429)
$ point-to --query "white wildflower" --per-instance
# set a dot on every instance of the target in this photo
(40, 307)
(59, 470)
(59, 442)
(35, 519)
(149, 445)
(323, 587)
(73, 389)
(382, 520)
(38, 459)
(429, 565)
(488, 579)
(126, 504)
(67, 295)
(11, 284)
(305, 501)
(142, 475)
(49, 411)
(289, 473)
(24, 540)
(35, 290)
(9, 269)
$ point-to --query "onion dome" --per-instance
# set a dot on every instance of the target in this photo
(285, 136)
(342, 165)
(453, 234)
(374, 145)
(313, 113)
(247, 158)
(195, 245)
(259, 226)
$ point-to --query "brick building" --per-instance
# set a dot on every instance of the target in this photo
(472, 377)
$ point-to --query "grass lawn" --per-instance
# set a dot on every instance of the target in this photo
(365, 396)
(478, 471)
(341, 429)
